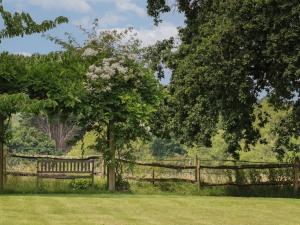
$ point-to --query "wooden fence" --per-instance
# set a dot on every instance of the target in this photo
(199, 168)
(198, 171)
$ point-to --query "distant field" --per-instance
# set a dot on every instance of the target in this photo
(146, 209)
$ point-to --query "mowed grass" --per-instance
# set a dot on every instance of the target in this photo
(123, 209)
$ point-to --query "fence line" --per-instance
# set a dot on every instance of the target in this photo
(233, 167)
(156, 164)
(198, 168)
(196, 171)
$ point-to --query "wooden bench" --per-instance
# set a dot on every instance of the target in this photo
(65, 169)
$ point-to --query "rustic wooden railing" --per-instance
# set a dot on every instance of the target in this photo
(54, 165)
(198, 168)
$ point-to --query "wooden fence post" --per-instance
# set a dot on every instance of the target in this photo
(296, 175)
(198, 180)
(153, 177)
(190, 172)
(102, 166)
(93, 172)
(196, 169)
(37, 175)
(197, 173)
(237, 174)
(4, 166)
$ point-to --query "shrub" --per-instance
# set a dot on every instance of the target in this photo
(80, 184)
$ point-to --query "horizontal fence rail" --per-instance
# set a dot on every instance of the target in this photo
(251, 166)
(222, 167)
(155, 164)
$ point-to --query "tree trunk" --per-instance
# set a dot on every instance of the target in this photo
(111, 165)
(1, 152)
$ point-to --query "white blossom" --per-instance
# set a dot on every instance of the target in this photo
(107, 60)
(126, 77)
(105, 76)
(107, 89)
(89, 52)
(98, 70)
(115, 65)
(132, 56)
(92, 68)
(105, 71)
(109, 71)
(92, 76)
(122, 70)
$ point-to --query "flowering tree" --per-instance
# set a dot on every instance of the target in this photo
(122, 93)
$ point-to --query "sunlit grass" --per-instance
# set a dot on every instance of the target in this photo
(116, 209)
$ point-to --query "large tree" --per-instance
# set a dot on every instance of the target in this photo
(57, 76)
(231, 52)
(13, 96)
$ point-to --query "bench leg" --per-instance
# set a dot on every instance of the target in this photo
(93, 180)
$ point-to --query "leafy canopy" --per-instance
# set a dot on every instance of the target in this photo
(231, 53)
(13, 92)
(20, 24)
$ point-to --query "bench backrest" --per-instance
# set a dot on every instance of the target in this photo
(65, 166)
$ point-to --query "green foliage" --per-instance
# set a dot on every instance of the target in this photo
(287, 144)
(30, 141)
(163, 148)
(155, 7)
(57, 76)
(12, 67)
(122, 185)
(26, 139)
(13, 93)
(264, 150)
(80, 184)
(85, 146)
(230, 53)
(159, 53)
(20, 24)
(217, 151)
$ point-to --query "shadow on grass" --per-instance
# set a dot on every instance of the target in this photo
(233, 191)
(27, 186)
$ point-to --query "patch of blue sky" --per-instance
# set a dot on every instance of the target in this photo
(113, 14)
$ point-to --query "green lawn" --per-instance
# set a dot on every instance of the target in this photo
(146, 209)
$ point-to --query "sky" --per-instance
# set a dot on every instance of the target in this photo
(112, 14)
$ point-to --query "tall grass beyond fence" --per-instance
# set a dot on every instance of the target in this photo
(197, 171)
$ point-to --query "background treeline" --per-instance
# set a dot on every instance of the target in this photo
(26, 136)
